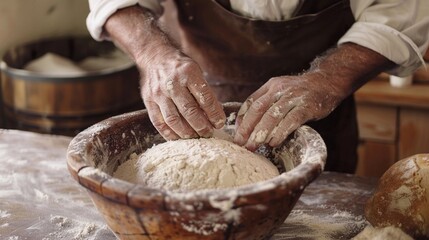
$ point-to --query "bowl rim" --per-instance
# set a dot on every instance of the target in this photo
(138, 195)
(37, 76)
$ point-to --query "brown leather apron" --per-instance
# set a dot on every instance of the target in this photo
(239, 54)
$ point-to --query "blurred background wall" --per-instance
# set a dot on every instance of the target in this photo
(23, 21)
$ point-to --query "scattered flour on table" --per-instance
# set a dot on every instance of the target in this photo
(4, 214)
(321, 227)
(195, 164)
(66, 228)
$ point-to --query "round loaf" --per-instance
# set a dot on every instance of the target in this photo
(401, 198)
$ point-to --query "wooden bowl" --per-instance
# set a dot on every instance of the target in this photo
(134, 211)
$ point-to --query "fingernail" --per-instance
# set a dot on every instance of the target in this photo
(251, 147)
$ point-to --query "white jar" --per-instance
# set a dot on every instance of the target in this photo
(400, 81)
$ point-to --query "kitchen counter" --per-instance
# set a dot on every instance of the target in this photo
(40, 200)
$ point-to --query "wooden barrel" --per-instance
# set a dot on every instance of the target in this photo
(64, 105)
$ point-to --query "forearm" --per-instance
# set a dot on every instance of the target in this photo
(347, 67)
(135, 31)
(178, 100)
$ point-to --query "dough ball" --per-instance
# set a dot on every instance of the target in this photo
(402, 197)
(54, 65)
(391, 232)
(195, 164)
(114, 60)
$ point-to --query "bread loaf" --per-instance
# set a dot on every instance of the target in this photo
(401, 198)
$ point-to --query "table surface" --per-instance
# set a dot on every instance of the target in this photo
(40, 200)
(380, 91)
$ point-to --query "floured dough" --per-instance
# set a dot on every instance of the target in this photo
(115, 60)
(53, 64)
(194, 164)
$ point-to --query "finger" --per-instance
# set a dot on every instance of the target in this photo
(251, 118)
(158, 122)
(246, 105)
(242, 111)
(208, 103)
(193, 114)
(268, 123)
(294, 119)
(175, 121)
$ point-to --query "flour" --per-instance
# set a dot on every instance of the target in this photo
(321, 227)
(259, 136)
(203, 228)
(4, 214)
(195, 164)
(66, 228)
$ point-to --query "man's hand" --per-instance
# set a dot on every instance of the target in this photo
(179, 101)
(285, 103)
(281, 106)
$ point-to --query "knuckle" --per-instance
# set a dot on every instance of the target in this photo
(257, 106)
(206, 98)
(244, 131)
(151, 91)
(274, 114)
(189, 68)
(172, 120)
(161, 126)
(191, 111)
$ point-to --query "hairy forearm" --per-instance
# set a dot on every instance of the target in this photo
(348, 66)
(135, 31)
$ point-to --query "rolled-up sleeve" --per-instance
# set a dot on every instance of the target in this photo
(101, 10)
(399, 30)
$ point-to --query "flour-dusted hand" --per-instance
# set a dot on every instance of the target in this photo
(178, 99)
(284, 103)
(281, 106)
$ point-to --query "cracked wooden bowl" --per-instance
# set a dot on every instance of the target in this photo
(134, 211)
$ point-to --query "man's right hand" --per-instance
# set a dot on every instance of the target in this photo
(179, 101)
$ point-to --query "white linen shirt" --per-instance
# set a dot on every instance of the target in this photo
(397, 29)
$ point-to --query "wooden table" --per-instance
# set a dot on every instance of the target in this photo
(39, 199)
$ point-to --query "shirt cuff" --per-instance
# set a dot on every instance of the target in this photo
(389, 42)
(101, 10)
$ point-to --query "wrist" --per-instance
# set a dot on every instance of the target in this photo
(154, 54)
(135, 31)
